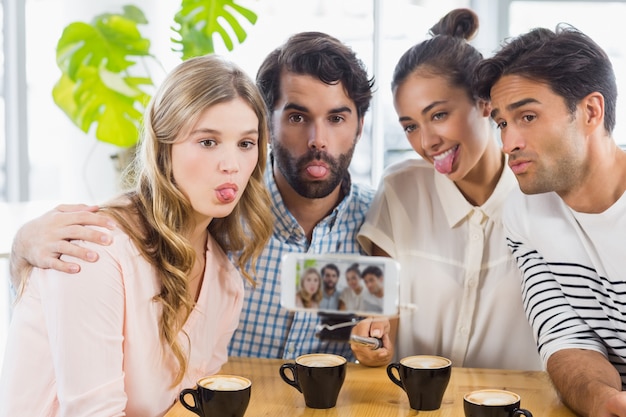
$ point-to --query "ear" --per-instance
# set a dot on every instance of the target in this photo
(485, 107)
(592, 107)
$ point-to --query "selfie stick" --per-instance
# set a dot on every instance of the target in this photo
(371, 342)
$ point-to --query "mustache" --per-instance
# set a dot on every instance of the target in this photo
(315, 155)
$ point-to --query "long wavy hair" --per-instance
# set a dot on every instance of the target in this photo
(160, 214)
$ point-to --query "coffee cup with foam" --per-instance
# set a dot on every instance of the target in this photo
(424, 378)
(493, 403)
(318, 376)
(218, 395)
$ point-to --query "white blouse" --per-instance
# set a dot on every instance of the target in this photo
(455, 268)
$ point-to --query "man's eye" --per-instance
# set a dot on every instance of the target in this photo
(501, 125)
(296, 118)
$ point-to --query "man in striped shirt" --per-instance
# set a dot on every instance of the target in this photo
(553, 96)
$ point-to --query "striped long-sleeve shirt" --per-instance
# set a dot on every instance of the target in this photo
(574, 274)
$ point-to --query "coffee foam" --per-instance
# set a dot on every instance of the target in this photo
(492, 397)
(224, 383)
(425, 361)
(321, 360)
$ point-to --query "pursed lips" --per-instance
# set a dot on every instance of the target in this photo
(518, 166)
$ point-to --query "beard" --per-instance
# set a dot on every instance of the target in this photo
(292, 169)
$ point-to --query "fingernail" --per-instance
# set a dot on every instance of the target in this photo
(105, 239)
(74, 269)
(91, 256)
(376, 333)
(111, 224)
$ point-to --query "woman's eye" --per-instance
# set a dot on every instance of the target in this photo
(207, 143)
(439, 116)
(528, 117)
(247, 144)
(409, 128)
(501, 125)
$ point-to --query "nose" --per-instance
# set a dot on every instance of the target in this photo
(512, 140)
(318, 136)
(430, 139)
(229, 163)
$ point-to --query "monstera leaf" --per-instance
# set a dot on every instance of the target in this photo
(96, 85)
(198, 21)
(102, 83)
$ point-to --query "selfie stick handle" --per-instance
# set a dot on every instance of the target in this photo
(371, 342)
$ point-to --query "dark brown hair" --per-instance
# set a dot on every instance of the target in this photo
(321, 56)
(447, 53)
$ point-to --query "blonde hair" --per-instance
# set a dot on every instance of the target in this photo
(161, 214)
(309, 299)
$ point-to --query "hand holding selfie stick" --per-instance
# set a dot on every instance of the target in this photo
(371, 342)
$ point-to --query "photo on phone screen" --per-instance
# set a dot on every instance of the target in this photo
(366, 285)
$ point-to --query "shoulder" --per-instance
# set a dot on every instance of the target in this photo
(121, 245)
(361, 193)
(538, 206)
(413, 170)
(524, 213)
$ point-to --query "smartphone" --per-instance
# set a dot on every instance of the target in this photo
(340, 283)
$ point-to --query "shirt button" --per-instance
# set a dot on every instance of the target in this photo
(475, 236)
(472, 282)
(463, 330)
(291, 348)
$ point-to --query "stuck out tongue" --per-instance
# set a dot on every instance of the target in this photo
(227, 194)
(444, 166)
(316, 171)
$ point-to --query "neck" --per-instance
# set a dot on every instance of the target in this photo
(603, 181)
(478, 185)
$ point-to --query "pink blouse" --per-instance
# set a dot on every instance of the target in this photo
(88, 344)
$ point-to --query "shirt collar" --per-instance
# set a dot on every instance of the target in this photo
(457, 208)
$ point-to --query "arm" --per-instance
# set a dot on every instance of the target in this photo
(43, 240)
(84, 316)
(588, 383)
(385, 329)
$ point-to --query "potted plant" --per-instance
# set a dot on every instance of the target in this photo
(105, 85)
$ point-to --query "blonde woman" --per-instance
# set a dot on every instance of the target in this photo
(126, 334)
(310, 293)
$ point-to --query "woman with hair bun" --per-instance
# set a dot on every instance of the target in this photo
(440, 216)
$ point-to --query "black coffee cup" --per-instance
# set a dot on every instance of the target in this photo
(493, 403)
(424, 378)
(318, 376)
(218, 396)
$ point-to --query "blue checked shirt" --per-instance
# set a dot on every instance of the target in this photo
(266, 329)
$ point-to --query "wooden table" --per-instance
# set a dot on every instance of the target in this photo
(369, 392)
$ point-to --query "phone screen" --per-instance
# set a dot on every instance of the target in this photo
(364, 285)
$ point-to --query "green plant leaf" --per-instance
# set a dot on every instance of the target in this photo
(109, 100)
(96, 86)
(199, 20)
(111, 38)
